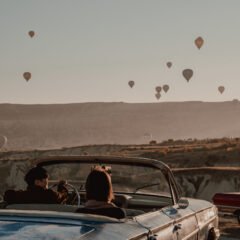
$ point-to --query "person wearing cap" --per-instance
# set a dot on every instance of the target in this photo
(37, 190)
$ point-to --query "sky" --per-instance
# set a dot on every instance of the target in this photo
(88, 50)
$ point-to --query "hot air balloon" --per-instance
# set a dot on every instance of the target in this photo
(199, 42)
(3, 141)
(158, 89)
(221, 89)
(27, 76)
(147, 134)
(131, 83)
(169, 64)
(157, 95)
(165, 88)
(187, 73)
(31, 33)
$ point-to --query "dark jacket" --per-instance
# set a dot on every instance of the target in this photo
(34, 194)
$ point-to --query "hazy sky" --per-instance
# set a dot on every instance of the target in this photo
(88, 50)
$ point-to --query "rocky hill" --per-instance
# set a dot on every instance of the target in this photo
(201, 167)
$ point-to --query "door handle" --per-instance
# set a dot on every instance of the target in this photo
(177, 227)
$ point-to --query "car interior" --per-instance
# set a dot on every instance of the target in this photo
(134, 204)
(141, 192)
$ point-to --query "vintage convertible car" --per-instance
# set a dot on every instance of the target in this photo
(144, 187)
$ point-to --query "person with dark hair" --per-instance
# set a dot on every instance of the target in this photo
(37, 190)
(99, 194)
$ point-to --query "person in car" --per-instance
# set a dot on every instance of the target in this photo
(37, 190)
(99, 195)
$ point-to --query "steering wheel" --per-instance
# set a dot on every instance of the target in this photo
(71, 198)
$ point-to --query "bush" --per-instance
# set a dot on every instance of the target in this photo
(153, 142)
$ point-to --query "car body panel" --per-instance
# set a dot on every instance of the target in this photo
(227, 199)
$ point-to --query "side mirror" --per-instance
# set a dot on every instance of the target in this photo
(183, 203)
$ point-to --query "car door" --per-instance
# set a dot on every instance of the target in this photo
(158, 225)
(184, 222)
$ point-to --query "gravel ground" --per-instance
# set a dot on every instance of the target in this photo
(229, 228)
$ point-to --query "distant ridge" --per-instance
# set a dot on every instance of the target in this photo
(74, 124)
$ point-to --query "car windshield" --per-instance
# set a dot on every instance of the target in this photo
(125, 178)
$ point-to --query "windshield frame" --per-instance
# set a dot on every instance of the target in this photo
(94, 159)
